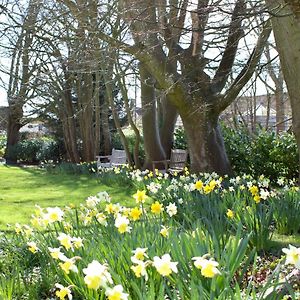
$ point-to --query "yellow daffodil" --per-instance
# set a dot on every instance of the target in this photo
(198, 185)
(156, 208)
(68, 264)
(256, 198)
(140, 269)
(164, 231)
(135, 213)
(208, 267)
(207, 189)
(230, 213)
(139, 254)
(140, 196)
(32, 247)
(63, 292)
(253, 190)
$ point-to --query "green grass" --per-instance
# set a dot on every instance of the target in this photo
(22, 188)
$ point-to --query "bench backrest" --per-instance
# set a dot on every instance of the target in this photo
(178, 158)
(118, 156)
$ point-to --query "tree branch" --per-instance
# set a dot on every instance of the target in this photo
(234, 36)
(247, 71)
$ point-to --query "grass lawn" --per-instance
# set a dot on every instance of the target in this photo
(22, 188)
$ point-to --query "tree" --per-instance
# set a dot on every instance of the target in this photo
(287, 36)
(198, 88)
(24, 66)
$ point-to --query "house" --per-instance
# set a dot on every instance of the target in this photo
(261, 111)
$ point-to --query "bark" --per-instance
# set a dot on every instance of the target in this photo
(287, 36)
(109, 92)
(106, 137)
(68, 119)
(122, 86)
(152, 143)
(20, 74)
(167, 126)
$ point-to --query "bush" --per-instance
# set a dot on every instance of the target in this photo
(2, 145)
(36, 150)
(117, 144)
(265, 153)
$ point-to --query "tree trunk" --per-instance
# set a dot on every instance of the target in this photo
(287, 36)
(152, 141)
(169, 117)
(106, 138)
(15, 115)
(205, 142)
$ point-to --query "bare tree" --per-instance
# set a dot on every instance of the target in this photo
(194, 84)
(24, 66)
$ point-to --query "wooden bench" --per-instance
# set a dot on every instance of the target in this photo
(175, 164)
(116, 159)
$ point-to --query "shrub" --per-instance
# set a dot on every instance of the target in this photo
(117, 144)
(36, 150)
(265, 153)
(2, 145)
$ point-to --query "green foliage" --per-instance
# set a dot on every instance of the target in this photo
(71, 168)
(180, 139)
(2, 145)
(286, 207)
(117, 144)
(264, 153)
(36, 150)
(200, 228)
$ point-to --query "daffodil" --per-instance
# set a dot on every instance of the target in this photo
(122, 223)
(32, 247)
(68, 264)
(96, 275)
(18, 228)
(140, 269)
(292, 256)
(253, 190)
(77, 242)
(256, 198)
(140, 196)
(53, 214)
(135, 213)
(171, 209)
(230, 213)
(63, 292)
(156, 207)
(164, 265)
(164, 231)
(101, 218)
(56, 253)
(139, 254)
(65, 240)
(116, 293)
(198, 185)
(208, 267)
